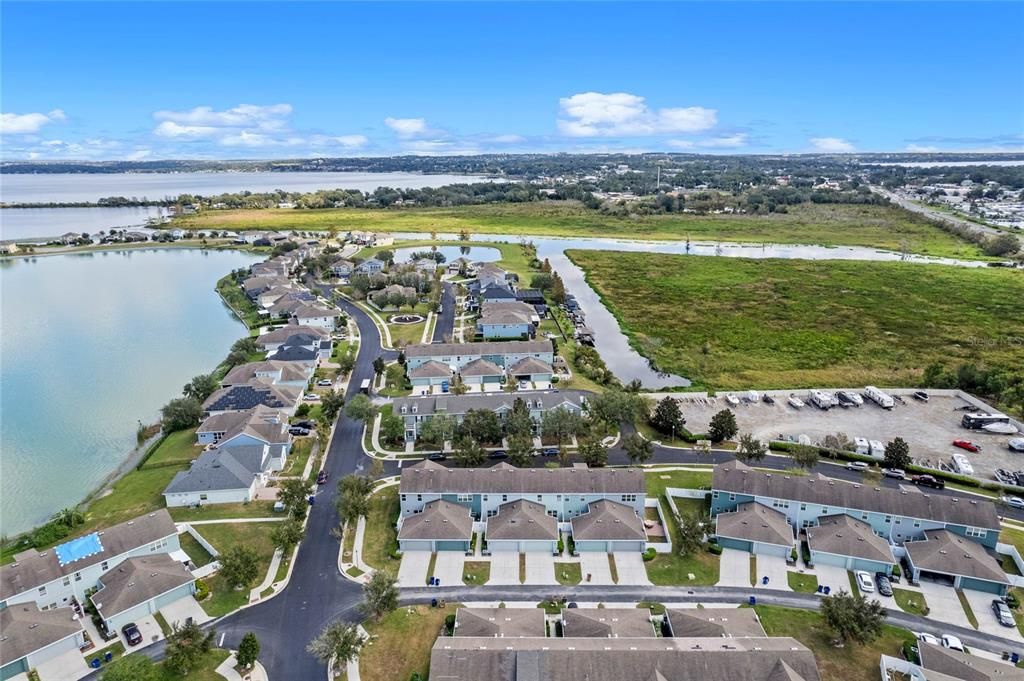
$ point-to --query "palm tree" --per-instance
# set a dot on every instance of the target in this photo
(69, 517)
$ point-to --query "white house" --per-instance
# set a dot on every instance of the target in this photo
(370, 266)
(221, 476)
(316, 315)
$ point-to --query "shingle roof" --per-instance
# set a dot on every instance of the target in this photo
(287, 331)
(295, 353)
(245, 397)
(262, 423)
(948, 553)
(460, 404)
(481, 367)
(500, 312)
(738, 478)
(219, 423)
(608, 520)
(845, 536)
(138, 580)
(474, 349)
(33, 568)
(431, 369)
(607, 623)
(24, 629)
(289, 371)
(220, 469)
(530, 365)
(639, 659)
(308, 311)
(522, 521)
(499, 622)
(966, 667)
(429, 477)
(711, 622)
(755, 522)
(439, 520)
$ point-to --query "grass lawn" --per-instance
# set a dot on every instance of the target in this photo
(137, 493)
(672, 569)
(251, 509)
(568, 574)
(194, 549)
(658, 480)
(854, 589)
(911, 601)
(162, 621)
(807, 584)
(223, 599)
(236, 299)
(298, 457)
(1010, 535)
(799, 323)
(116, 649)
(476, 572)
(394, 382)
(873, 226)
(430, 568)
(967, 608)
(177, 448)
(850, 663)
(348, 542)
(204, 671)
(381, 539)
(400, 643)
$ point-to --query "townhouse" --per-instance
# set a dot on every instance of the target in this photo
(250, 395)
(457, 355)
(31, 637)
(507, 319)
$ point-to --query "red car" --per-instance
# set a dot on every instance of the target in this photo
(966, 444)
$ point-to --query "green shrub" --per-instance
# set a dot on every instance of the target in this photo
(896, 571)
(1012, 600)
(202, 590)
(715, 549)
(49, 534)
(649, 555)
(449, 623)
(561, 546)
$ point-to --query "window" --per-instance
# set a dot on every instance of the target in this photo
(917, 523)
(976, 532)
(504, 497)
(628, 497)
(558, 497)
(863, 516)
(485, 497)
(824, 511)
(66, 581)
(540, 497)
(732, 497)
(714, 495)
(491, 513)
(465, 498)
(779, 503)
(78, 576)
(104, 566)
(899, 521)
(202, 497)
(888, 519)
(403, 497)
(803, 507)
(42, 591)
(419, 497)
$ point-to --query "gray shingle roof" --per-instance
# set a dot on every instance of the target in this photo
(429, 477)
(219, 469)
(473, 349)
(530, 365)
(34, 567)
(966, 667)
(248, 396)
(136, 581)
(481, 367)
(522, 521)
(845, 536)
(288, 331)
(295, 353)
(608, 520)
(460, 404)
(711, 622)
(948, 553)
(499, 622)
(309, 311)
(242, 374)
(24, 629)
(755, 522)
(501, 312)
(439, 520)
(431, 369)
(262, 423)
(817, 489)
(607, 623)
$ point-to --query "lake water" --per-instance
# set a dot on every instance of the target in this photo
(76, 187)
(472, 253)
(33, 223)
(91, 345)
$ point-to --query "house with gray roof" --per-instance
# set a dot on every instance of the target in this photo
(607, 623)
(439, 526)
(507, 319)
(755, 528)
(609, 526)
(251, 395)
(221, 476)
(499, 622)
(849, 543)
(532, 370)
(342, 267)
(482, 373)
(370, 266)
(261, 423)
(955, 559)
(139, 587)
(953, 664)
(522, 526)
(430, 374)
(312, 314)
(489, 274)
(271, 372)
(714, 623)
(29, 637)
(293, 334)
(502, 353)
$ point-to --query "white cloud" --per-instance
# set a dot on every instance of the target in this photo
(596, 114)
(921, 149)
(172, 129)
(835, 145)
(270, 117)
(20, 124)
(407, 127)
(506, 139)
(735, 141)
(348, 141)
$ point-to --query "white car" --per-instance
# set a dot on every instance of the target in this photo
(795, 402)
(1016, 502)
(952, 642)
(857, 466)
(732, 400)
(325, 382)
(311, 397)
(928, 638)
(865, 583)
(1016, 444)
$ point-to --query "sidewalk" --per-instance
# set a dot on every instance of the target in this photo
(227, 670)
(268, 579)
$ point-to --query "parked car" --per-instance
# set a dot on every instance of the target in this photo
(296, 430)
(1015, 502)
(928, 638)
(795, 402)
(897, 473)
(498, 454)
(321, 477)
(311, 397)
(1016, 444)
(132, 634)
(524, 385)
(966, 444)
(884, 585)
(858, 466)
(437, 456)
(308, 425)
(325, 383)
(929, 481)
(952, 642)
(1003, 613)
(921, 395)
(767, 399)
(732, 400)
(865, 583)
(549, 451)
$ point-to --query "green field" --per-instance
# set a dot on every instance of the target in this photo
(223, 599)
(830, 224)
(729, 323)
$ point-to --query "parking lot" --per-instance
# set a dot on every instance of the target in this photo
(928, 427)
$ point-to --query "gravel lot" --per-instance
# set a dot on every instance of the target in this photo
(929, 428)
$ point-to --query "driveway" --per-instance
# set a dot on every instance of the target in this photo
(775, 569)
(981, 604)
(67, 666)
(448, 567)
(413, 570)
(734, 568)
(504, 568)
(184, 609)
(540, 568)
(944, 605)
(595, 565)
(834, 577)
(630, 566)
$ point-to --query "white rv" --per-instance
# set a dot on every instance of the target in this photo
(877, 449)
(878, 397)
(861, 446)
(822, 399)
(962, 465)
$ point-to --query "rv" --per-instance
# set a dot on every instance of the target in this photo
(877, 449)
(822, 399)
(962, 465)
(364, 387)
(878, 397)
(979, 420)
(861, 446)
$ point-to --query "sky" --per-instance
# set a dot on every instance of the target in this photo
(151, 80)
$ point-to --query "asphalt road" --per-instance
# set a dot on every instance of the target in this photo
(444, 327)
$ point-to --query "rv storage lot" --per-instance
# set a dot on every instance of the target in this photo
(929, 428)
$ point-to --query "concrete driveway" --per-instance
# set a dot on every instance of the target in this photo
(448, 567)
(944, 605)
(504, 568)
(540, 568)
(630, 566)
(595, 564)
(775, 569)
(67, 666)
(182, 610)
(413, 569)
(981, 604)
(833, 577)
(734, 568)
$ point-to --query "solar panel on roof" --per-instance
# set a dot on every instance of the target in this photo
(76, 549)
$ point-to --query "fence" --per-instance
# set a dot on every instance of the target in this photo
(662, 546)
(1011, 551)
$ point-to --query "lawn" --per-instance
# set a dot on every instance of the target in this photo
(116, 649)
(394, 381)
(381, 539)
(807, 584)
(204, 671)
(475, 573)
(239, 303)
(851, 663)
(137, 493)
(1010, 535)
(298, 457)
(223, 599)
(178, 448)
(400, 643)
(568, 574)
(911, 601)
(251, 509)
(672, 569)
(838, 224)
(658, 480)
(967, 608)
(800, 323)
(194, 549)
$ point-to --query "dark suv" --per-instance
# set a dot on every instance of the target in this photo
(929, 481)
(132, 634)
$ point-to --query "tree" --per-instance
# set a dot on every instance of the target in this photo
(339, 641)
(378, 365)
(380, 596)
(751, 449)
(294, 494)
(248, 650)
(346, 363)
(519, 421)
(520, 450)
(287, 534)
(692, 532)
(562, 424)
(331, 404)
(668, 418)
(615, 407)
(186, 645)
(1003, 244)
(723, 426)
(131, 668)
(593, 452)
(360, 408)
(557, 289)
(805, 456)
(481, 425)
(353, 497)
(239, 566)
(853, 618)
(201, 387)
(468, 452)
(386, 256)
(637, 448)
(181, 413)
(69, 517)
(437, 429)
(897, 454)
(542, 281)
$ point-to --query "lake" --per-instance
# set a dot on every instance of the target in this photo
(33, 223)
(77, 187)
(91, 345)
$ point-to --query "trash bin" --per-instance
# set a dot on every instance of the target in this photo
(753, 600)
(827, 590)
(108, 656)
(433, 602)
(1015, 658)
(764, 580)
(95, 664)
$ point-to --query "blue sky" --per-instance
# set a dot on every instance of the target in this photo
(151, 80)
